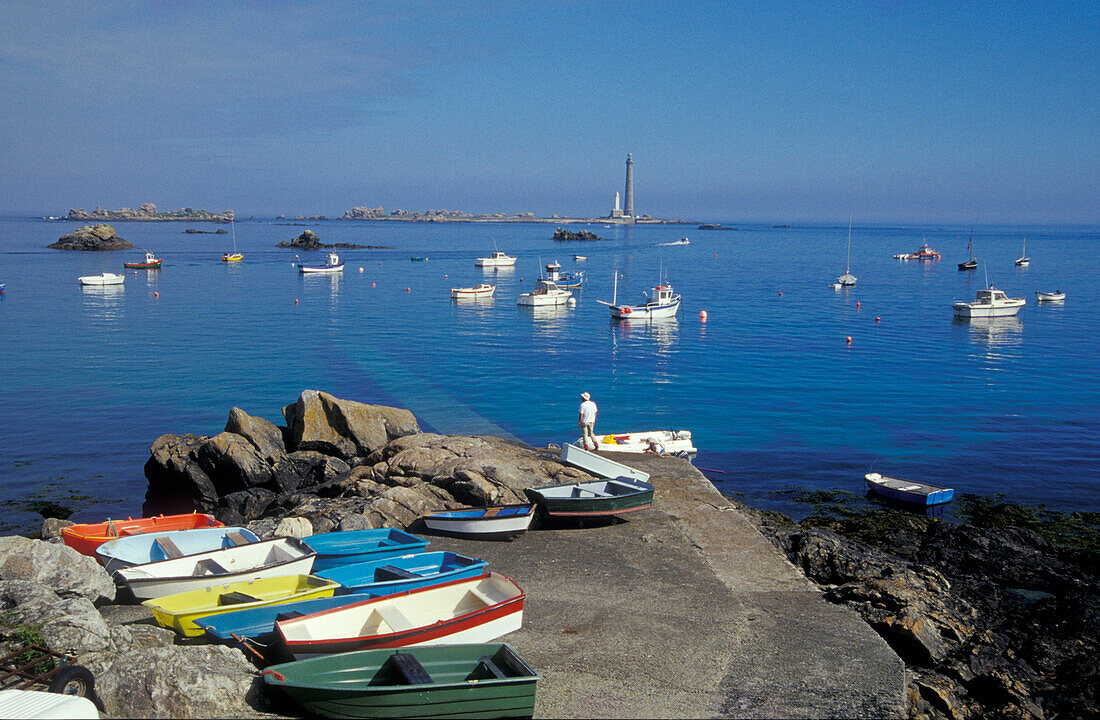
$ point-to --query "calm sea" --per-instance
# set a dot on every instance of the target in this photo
(774, 395)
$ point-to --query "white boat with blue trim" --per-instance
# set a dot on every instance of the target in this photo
(663, 303)
(333, 264)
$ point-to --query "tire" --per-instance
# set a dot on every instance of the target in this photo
(73, 680)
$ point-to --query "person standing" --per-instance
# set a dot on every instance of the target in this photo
(587, 421)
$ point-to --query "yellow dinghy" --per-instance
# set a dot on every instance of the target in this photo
(178, 612)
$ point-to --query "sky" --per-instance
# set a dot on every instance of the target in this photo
(792, 111)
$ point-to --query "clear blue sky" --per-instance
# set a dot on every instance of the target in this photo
(893, 111)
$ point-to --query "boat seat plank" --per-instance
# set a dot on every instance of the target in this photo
(394, 618)
(410, 669)
(389, 572)
(169, 548)
(208, 565)
(487, 662)
(481, 596)
(235, 538)
(288, 615)
(236, 598)
(491, 512)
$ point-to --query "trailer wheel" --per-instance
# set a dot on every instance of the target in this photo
(73, 680)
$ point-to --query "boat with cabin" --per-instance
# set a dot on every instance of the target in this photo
(546, 292)
(989, 303)
(905, 491)
(663, 303)
(681, 241)
(151, 262)
(1056, 296)
(922, 253)
(481, 291)
(333, 264)
(496, 259)
(102, 279)
(563, 279)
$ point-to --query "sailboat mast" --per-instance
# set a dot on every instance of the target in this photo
(615, 292)
(848, 260)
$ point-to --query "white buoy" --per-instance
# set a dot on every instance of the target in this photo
(702, 315)
(360, 271)
(571, 302)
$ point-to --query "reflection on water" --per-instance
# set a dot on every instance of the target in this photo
(994, 331)
(104, 301)
(662, 332)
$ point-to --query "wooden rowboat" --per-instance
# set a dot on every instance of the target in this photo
(87, 537)
(269, 558)
(398, 574)
(479, 291)
(1055, 296)
(904, 491)
(346, 547)
(154, 547)
(179, 612)
(502, 521)
(472, 610)
(597, 498)
(452, 681)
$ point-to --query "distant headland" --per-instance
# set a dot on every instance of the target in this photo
(443, 216)
(147, 212)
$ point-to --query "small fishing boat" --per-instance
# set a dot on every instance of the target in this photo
(477, 609)
(595, 498)
(257, 624)
(662, 304)
(501, 521)
(452, 681)
(1023, 260)
(347, 547)
(990, 303)
(580, 258)
(972, 263)
(180, 611)
(922, 253)
(479, 291)
(390, 575)
(495, 259)
(102, 279)
(151, 262)
(546, 292)
(154, 547)
(3, 286)
(660, 442)
(418, 258)
(908, 492)
(1055, 296)
(252, 561)
(563, 279)
(333, 264)
(86, 537)
(591, 462)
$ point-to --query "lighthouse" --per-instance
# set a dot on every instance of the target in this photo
(628, 211)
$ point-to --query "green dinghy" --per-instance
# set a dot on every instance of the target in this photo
(428, 681)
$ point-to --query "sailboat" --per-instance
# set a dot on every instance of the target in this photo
(233, 256)
(847, 279)
(970, 264)
(1023, 260)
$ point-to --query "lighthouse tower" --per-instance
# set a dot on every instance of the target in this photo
(628, 211)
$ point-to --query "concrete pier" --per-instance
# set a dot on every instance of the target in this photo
(685, 610)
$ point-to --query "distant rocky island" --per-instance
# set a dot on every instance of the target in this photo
(93, 238)
(441, 216)
(309, 241)
(563, 235)
(193, 231)
(148, 211)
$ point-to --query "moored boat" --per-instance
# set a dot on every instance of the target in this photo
(563, 279)
(451, 681)
(990, 303)
(102, 279)
(389, 575)
(252, 561)
(180, 611)
(476, 609)
(908, 492)
(546, 292)
(495, 259)
(660, 442)
(847, 279)
(595, 498)
(86, 537)
(151, 262)
(232, 257)
(501, 521)
(1055, 296)
(156, 546)
(580, 258)
(347, 547)
(922, 253)
(972, 263)
(1023, 260)
(664, 303)
(333, 264)
(479, 291)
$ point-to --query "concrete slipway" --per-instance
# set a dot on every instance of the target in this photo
(685, 610)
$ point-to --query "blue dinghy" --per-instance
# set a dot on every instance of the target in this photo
(904, 491)
(398, 574)
(346, 547)
(154, 547)
(258, 624)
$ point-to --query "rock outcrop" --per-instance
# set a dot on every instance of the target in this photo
(91, 237)
(563, 235)
(56, 566)
(148, 212)
(308, 240)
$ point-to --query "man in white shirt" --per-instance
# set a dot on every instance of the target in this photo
(587, 421)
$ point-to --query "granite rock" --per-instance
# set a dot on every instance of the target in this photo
(91, 237)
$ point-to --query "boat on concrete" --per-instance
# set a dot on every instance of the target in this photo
(332, 264)
(594, 498)
(102, 279)
(437, 681)
(86, 537)
(498, 522)
(347, 547)
(905, 491)
(472, 610)
(591, 462)
(989, 303)
(397, 574)
(257, 623)
(154, 547)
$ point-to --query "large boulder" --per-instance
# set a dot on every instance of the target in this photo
(64, 625)
(91, 237)
(56, 566)
(176, 482)
(233, 463)
(308, 240)
(265, 436)
(344, 428)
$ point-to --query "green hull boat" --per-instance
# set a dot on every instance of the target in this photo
(597, 498)
(433, 681)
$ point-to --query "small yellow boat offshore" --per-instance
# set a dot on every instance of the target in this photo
(178, 612)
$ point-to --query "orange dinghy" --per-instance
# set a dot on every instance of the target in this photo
(86, 538)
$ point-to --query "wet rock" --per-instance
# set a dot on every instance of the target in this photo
(51, 528)
(176, 482)
(56, 566)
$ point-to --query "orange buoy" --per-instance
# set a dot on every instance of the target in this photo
(781, 294)
(702, 315)
(715, 256)
(156, 294)
(295, 301)
(408, 289)
(372, 284)
(444, 277)
(877, 319)
(849, 339)
(857, 304)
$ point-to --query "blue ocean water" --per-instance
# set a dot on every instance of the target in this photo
(774, 395)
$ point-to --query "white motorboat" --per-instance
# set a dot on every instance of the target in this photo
(579, 258)
(1056, 296)
(1023, 260)
(479, 291)
(563, 280)
(102, 279)
(990, 303)
(659, 442)
(546, 292)
(681, 241)
(662, 304)
(495, 259)
(252, 561)
(333, 264)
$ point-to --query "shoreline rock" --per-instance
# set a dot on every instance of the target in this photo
(563, 235)
(99, 237)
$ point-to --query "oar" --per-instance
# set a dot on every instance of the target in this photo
(720, 472)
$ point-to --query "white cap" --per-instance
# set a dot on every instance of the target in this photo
(585, 396)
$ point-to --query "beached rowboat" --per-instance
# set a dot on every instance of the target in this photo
(575, 455)
(180, 612)
(472, 610)
(501, 521)
(397, 574)
(154, 547)
(86, 537)
(347, 547)
(443, 681)
(596, 498)
(269, 558)
(908, 492)
(258, 623)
